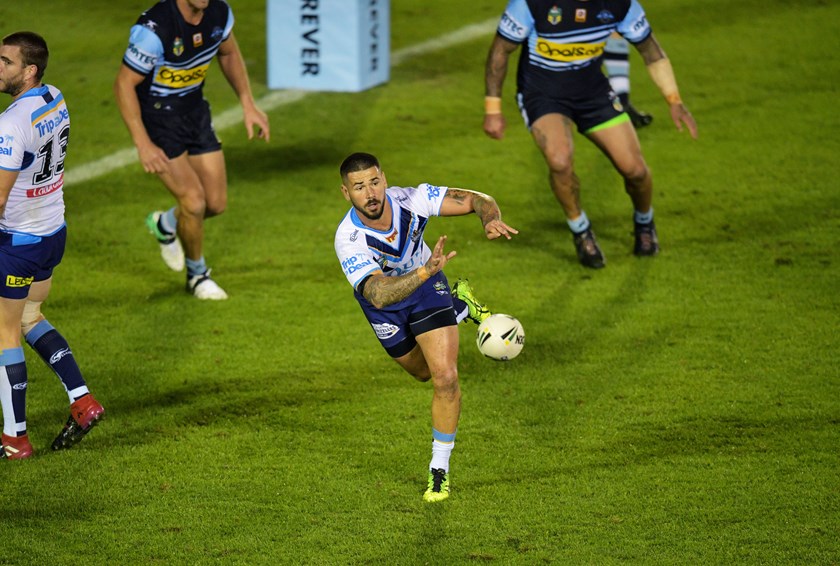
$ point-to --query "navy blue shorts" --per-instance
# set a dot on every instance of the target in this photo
(25, 259)
(587, 113)
(177, 131)
(397, 325)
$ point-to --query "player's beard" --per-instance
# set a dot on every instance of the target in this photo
(11, 86)
(372, 216)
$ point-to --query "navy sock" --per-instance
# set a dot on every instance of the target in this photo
(13, 384)
(56, 353)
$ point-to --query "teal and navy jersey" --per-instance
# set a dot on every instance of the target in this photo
(34, 132)
(173, 54)
(361, 250)
(563, 40)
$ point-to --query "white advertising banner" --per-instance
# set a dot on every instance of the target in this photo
(332, 45)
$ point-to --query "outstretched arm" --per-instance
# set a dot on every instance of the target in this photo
(233, 67)
(458, 202)
(660, 70)
(494, 79)
(381, 290)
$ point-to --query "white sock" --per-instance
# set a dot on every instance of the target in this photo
(440, 455)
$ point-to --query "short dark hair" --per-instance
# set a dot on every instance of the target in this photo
(358, 162)
(33, 49)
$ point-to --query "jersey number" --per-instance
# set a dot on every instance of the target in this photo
(49, 170)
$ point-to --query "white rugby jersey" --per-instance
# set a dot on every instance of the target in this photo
(396, 251)
(34, 132)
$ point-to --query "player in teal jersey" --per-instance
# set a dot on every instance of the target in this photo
(159, 94)
(560, 85)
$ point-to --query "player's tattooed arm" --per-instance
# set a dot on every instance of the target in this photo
(462, 201)
(381, 290)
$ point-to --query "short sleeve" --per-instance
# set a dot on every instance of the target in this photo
(634, 27)
(144, 49)
(517, 21)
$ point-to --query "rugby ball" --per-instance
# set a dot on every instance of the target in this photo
(500, 337)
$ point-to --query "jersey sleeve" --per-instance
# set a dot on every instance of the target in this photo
(229, 24)
(517, 21)
(634, 27)
(427, 199)
(144, 49)
(13, 141)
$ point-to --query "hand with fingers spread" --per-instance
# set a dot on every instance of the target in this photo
(439, 259)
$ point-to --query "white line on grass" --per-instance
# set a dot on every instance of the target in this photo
(276, 99)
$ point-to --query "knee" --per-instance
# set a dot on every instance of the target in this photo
(192, 204)
(31, 316)
(215, 207)
(446, 384)
(636, 173)
(560, 163)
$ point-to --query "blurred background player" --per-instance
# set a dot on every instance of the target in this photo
(34, 132)
(617, 68)
(560, 85)
(159, 94)
(405, 296)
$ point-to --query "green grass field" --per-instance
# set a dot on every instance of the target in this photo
(683, 410)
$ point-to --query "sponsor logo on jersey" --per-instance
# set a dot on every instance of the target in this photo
(6, 140)
(567, 52)
(415, 235)
(60, 354)
(217, 33)
(46, 189)
(198, 39)
(47, 125)
(19, 386)
(555, 15)
(138, 56)
(391, 237)
(510, 25)
(354, 235)
(151, 25)
(385, 330)
(352, 265)
(178, 46)
(432, 192)
(15, 281)
(640, 24)
(6, 151)
(605, 16)
(180, 78)
(440, 288)
(580, 15)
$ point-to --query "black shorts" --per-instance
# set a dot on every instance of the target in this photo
(586, 112)
(189, 130)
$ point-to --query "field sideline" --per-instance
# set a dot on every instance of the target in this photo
(683, 410)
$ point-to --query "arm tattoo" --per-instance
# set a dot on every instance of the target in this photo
(382, 290)
(495, 70)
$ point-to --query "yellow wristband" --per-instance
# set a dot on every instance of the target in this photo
(674, 98)
(492, 105)
(423, 273)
